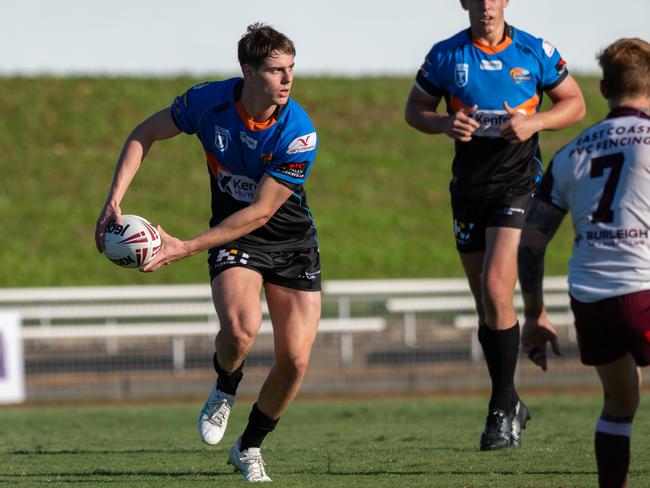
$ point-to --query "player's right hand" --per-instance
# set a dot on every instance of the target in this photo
(535, 335)
(108, 213)
(461, 125)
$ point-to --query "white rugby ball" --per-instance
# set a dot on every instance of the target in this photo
(131, 244)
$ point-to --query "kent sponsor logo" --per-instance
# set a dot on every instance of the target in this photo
(240, 187)
(114, 228)
(302, 144)
(489, 121)
(491, 65)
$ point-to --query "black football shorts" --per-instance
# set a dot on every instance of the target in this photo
(297, 269)
(473, 216)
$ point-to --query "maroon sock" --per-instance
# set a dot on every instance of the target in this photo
(613, 458)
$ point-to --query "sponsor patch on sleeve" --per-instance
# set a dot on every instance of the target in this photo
(549, 48)
(293, 169)
(302, 144)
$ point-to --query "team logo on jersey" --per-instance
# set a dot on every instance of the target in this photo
(520, 74)
(560, 67)
(461, 74)
(240, 187)
(221, 137)
(248, 140)
(548, 48)
(491, 65)
(302, 144)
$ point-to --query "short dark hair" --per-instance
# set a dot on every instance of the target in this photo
(626, 68)
(260, 42)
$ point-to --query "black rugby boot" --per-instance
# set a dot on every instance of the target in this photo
(498, 431)
(519, 419)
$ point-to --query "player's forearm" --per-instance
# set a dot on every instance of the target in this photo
(135, 149)
(233, 227)
(127, 167)
(425, 120)
(563, 113)
(531, 277)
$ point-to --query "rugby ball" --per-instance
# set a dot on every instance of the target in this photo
(131, 244)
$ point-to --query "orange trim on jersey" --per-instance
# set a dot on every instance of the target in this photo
(492, 49)
(456, 105)
(250, 123)
(214, 163)
(529, 106)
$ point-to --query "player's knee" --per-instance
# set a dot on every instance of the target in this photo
(622, 402)
(495, 288)
(237, 338)
(293, 368)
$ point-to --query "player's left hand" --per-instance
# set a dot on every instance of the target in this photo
(520, 127)
(534, 336)
(173, 249)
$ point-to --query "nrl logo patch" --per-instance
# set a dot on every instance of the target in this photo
(461, 74)
(221, 137)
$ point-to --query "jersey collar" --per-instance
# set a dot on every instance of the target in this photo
(508, 36)
(627, 112)
(249, 122)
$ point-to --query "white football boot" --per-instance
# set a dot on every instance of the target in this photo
(249, 463)
(214, 416)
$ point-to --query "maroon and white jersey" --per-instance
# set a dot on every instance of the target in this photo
(603, 178)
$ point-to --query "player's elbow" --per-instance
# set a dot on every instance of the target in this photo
(411, 116)
(262, 216)
(580, 109)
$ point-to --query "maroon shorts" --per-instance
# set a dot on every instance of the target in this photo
(610, 328)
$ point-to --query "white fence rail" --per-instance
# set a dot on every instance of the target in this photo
(374, 310)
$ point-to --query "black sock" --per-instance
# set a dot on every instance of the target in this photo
(259, 425)
(504, 363)
(486, 338)
(612, 446)
(227, 382)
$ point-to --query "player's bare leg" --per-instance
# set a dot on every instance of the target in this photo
(295, 315)
(621, 385)
(500, 276)
(236, 296)
(492, 276)
(473, 266)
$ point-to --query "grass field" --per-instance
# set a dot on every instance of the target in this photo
(378, 189)
(408, 442)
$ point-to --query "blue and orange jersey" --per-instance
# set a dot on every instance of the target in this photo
(466, 73)
(240, 151)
